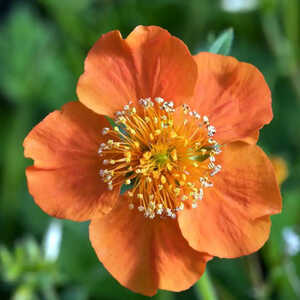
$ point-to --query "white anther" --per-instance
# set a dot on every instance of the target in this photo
(141, 208)
(173, 216)
(208, 184)
(211, 165)
(108, 178)
(126, 107)
(217, 149)
(110, 186)
(212, 158)
(194, 204)
(142, 102)
(205, 119)
(196, 115)
(131, 206)
(169, 212)
(159, 211)
(201, 193)
(101, 173)
(211, 130)
(105, 162)
(216, 170)
(152, 215)
(159, 100)
(105, 130)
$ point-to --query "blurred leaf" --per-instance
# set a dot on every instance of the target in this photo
(291, 11)
(205, 288)
(26, 268)
(74, 293)
(223, 43)
(24, 292)
(164, 295)
(226, 271)
(32, 69)
(275, 248)
(14, 165)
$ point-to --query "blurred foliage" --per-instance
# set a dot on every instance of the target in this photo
(42, 49)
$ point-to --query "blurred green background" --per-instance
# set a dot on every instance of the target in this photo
(43, 44)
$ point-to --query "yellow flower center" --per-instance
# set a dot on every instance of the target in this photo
(163, 157)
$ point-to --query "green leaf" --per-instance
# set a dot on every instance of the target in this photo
(111, 121)
(126, 187)
(38, 66)
(113, 124)
(205, 289)
(223, 43)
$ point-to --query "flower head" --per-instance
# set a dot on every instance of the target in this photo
(160, 154)
(166, 154)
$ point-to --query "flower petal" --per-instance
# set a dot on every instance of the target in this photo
(149, 63)
(233, 94)
(64, 180)
(247, 181)
(251, 138)
(145, 255)
(237, 207)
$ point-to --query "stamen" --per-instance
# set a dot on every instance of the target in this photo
(161, 151)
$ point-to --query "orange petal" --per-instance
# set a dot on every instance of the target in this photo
(145, 255)
(234, 95)
(64, 180)
(232, 220)
(149, 63)
(251, 138)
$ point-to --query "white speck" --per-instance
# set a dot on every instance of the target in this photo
(105, 130)
(239, 5)
(141, 208)
(292, 241)
(52, 240)
(159, 100)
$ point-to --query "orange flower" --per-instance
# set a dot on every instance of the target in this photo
(182, 144)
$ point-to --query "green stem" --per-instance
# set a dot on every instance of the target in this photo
(204, 288)
(261, 289)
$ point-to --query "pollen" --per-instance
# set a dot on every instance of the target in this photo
(164, 155)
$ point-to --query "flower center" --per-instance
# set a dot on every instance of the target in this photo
(161, 156)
